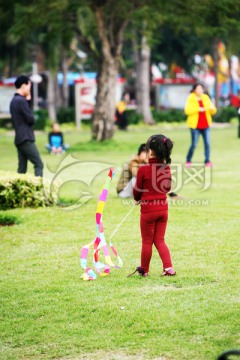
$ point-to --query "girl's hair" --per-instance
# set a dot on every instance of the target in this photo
(195, 86)
(141, 148)
(161, 146)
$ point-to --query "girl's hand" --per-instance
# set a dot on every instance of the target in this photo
(202, 109)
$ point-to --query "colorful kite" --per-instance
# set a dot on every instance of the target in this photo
(99, 242)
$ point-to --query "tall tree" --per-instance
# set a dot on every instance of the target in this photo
(108, 20)
(12, 55)
(220, 21)
(46, 19)
(216, 20)
(110, 28)
(144, 80)
(145, 22)
(111, 19)
(141, 57)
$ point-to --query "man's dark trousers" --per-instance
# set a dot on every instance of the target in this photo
(28, 151)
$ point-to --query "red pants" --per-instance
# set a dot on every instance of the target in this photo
(153, 226)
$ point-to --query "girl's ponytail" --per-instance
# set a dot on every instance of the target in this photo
(161, 146)
(169, 146)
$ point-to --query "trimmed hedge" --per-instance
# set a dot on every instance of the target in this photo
(24, 190)
(225, 114)
(172, 115)
(41, 119)
(133, 117)
(6, 123)
(66, 115)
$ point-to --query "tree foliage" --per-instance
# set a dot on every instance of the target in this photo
(174, 30)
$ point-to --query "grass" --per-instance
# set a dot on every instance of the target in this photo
(48, 312)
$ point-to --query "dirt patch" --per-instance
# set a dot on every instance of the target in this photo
(112, 356)
(1, 224)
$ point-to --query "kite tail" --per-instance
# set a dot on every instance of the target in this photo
(88, 274)
(99, 243)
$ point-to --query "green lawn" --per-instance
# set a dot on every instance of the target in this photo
(49, 312)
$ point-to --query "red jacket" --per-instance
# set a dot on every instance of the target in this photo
(153, 183)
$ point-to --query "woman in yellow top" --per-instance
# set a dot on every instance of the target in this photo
(199, 110)
(121, 114)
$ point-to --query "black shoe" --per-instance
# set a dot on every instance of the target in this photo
(140, 271)
(172, 194)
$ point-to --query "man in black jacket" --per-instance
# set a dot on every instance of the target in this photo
(23, 121)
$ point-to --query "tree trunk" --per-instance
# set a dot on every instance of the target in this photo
(58, 97)
(103, 119)
(111, 41)
(215, 69)
(51, 97)
(65, 88)
(11, 61)
(145, 82)
(137, 66)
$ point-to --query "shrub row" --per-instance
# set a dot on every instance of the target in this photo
(24, 190)
(225, 114)
(172, 115)
(41, 119)
(6, 123)
(133, 117)
(67, 115)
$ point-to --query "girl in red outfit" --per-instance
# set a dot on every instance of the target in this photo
(152, 185)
